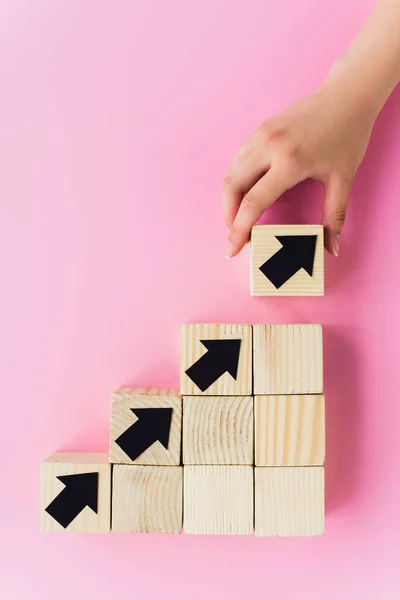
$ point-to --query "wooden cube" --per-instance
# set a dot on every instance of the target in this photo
(287, 359)
(218, 430)
(287, 260)
(146, 427)
(218, 500)
(216, 360)
(289, 501)
(75, 491)
(147, 499)
(289, 430)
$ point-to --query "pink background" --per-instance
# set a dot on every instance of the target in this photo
(118, 120)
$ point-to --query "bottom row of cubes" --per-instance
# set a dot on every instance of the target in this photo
(241, 500)
(85, 493)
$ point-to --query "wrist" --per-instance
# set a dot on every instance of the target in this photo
(358, 87)
(369, 69)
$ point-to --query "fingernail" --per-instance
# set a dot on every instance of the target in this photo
(228, 250)
(336, 245)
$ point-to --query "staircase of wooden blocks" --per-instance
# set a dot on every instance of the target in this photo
(239, 450)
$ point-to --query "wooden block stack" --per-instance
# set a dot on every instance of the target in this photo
(145, 447)
(289, 430)
(218, 428)
(143, 470)
(250, 422)
(282, 475)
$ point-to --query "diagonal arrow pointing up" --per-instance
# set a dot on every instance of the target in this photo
(222, 357)
(80, 490)
(297, 252)
(153, 425)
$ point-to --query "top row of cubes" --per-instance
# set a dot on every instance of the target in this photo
(241, 360)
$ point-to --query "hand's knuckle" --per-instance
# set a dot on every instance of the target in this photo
(250, 200)
(272, 132)
(227, 181)
(292, 153)
(341, 216)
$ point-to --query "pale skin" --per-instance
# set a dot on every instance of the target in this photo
(323, 136)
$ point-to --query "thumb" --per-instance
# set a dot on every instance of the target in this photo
(334, 212)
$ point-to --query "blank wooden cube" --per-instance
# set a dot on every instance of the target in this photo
(218, 430)
(147, 499)
(287, 260)
(289, 430)
(218, 500)
(287, 359)
(146, 427)
(289, 501)
(216, 360)
(76, 492)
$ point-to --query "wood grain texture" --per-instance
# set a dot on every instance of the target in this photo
(50, 487)
(289, 501)
(218, 500)
(289, 430)
(287, 359)
(218, 430)
(147, 499)
(192, 350)
(122, 418)
(264, 245)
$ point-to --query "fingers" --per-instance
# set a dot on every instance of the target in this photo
(260, 197)
(232, 195)
(246, 169)
(334, 212)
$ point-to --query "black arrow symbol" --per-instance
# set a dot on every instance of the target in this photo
(297, 253)
(153, 424)
(80, 490)
(222, 357)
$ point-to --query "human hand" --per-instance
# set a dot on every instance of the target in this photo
(323, 136)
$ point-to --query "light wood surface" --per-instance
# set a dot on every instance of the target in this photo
(218, 430)
(122, 418)
(192, 350)
(289, 430)
(289, 501)
(218, 500)
(147, 499)
(80, 458)
(60, 464)
(126, 392)
(264, 245)
(287, 359)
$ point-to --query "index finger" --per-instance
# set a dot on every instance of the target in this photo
(260, 197)
(248, 166)
(232, 196)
